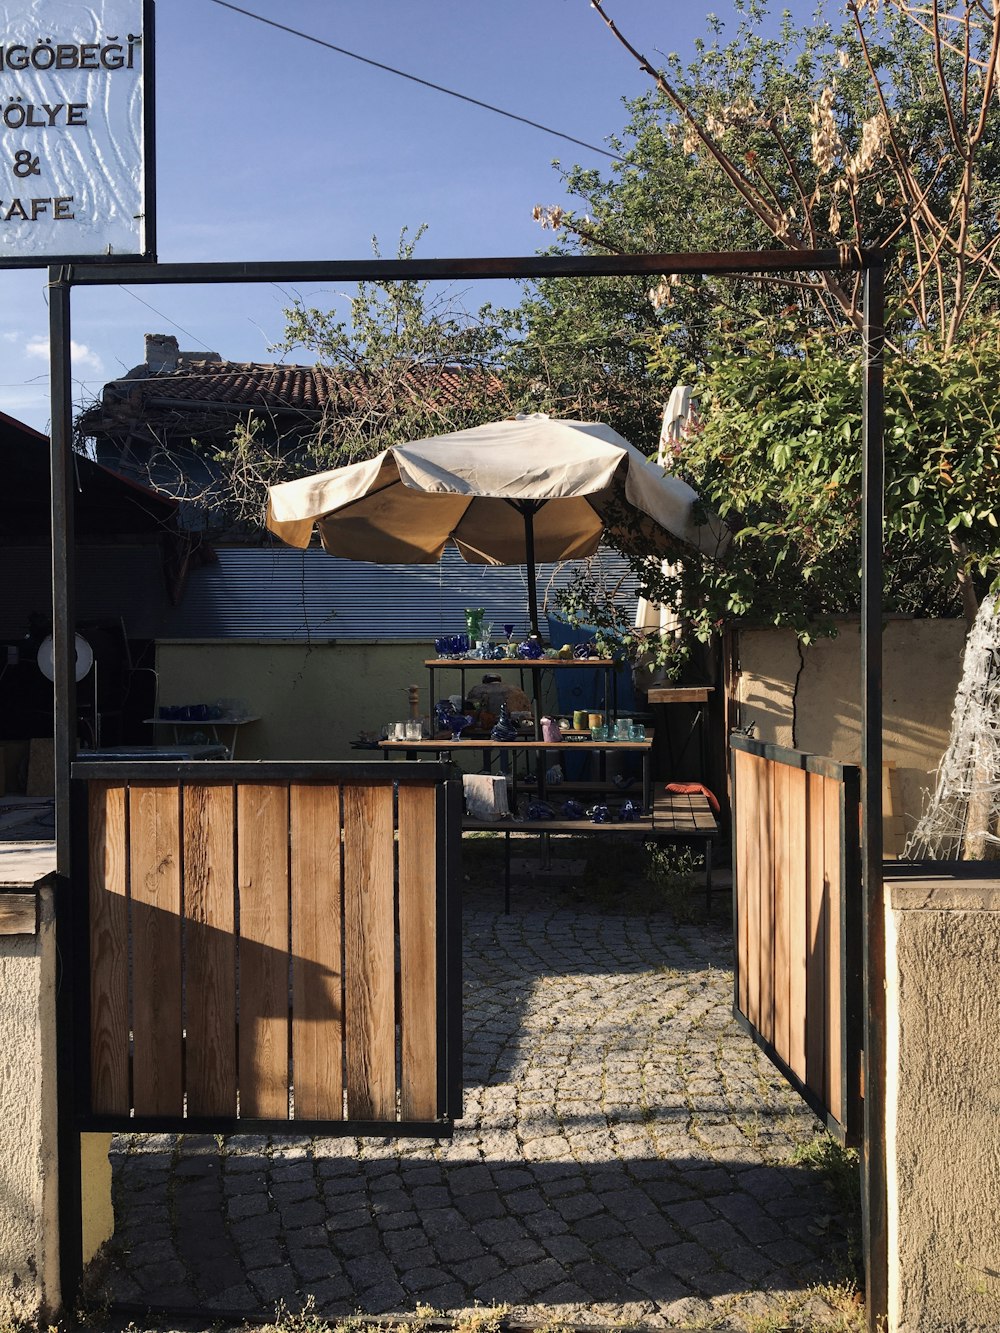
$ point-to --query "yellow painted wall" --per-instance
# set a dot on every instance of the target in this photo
(922, 662)
(312, 699)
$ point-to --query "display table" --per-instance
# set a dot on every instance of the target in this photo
(445, 745)
(534, 666)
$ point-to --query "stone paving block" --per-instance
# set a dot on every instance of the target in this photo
(285, 1171)
(600, 1282)
(454, 1245)
(271, 1284)
(302, 1213)
(422, 1279)
(292, 1191)
(747, 1263)
(687, 1215)
(421, 1256)
(348, 1220)
(448, 1296)
(686, 1260)
(384, 1298)
(247, 1205)
(367, 1270)
(255, 1228)
(314, 1263)
(572, 1207)
(749, 1217)
(502, 1290)
(362, 1240)
(239, 1298)
(476, 1207)
(399, 1221)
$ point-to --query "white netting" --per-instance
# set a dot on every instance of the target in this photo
(964, 806)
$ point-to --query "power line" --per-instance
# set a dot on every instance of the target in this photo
(414, 78)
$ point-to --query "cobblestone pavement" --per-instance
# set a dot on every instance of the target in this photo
(626, 1155)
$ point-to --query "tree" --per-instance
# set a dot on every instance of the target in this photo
(881, 130)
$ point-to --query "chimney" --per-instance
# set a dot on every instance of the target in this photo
(162, 353)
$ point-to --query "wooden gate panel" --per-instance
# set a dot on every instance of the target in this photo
(834, 949)
(210, 949)
(369, 953)
(262, 878)
(797, 834)
(270, 946)
(155, 888)
(798, 911)
(317, 966)
(109, 1028)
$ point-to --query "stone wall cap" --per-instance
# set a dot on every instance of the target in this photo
(944, 886)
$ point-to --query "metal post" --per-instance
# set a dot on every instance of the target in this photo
(62, 480)
(874, 1202)
(63, 627)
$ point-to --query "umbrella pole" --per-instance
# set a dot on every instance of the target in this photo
(528, 510)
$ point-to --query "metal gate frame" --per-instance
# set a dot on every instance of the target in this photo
(870, 263)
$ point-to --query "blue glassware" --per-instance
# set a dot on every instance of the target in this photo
(630, 812)
(504, 729)
(530, 649)
(574, 810)
(458, 722)
(599, 814)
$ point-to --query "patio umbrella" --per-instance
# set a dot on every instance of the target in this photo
(507, 493)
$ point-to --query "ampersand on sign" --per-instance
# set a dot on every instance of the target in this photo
(25, 164)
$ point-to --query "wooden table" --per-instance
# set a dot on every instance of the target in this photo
(444, 745)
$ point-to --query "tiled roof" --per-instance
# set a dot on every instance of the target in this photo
(241, 386)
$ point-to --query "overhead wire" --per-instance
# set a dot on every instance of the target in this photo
(415, 78)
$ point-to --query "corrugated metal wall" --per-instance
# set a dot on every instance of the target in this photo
(279, 593)
(285, 594)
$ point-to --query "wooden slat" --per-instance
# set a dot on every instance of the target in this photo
(757, 832)
(210, 950)
(262, 877)
(109, 1021)
(816, 925)
(766, 924)
(417, 952)
(18, 914)
(369, 966)
(317, 1005)
(743, 787)
(782, 818)
(683, 812)
(155, 879)
(832, 793)
(798, 893)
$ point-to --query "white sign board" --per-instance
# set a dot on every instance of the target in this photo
(72, 131)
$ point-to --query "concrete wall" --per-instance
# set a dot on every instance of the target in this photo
(943, 1108)
(29, 1257)
(922, 662)
(312, 699)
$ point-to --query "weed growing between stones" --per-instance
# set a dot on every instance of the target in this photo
(840, 1170)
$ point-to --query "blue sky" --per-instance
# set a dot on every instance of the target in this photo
(273, 148)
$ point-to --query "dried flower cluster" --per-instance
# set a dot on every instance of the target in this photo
(549, 215)
(826, 141)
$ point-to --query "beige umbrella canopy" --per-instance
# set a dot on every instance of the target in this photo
(507, 493)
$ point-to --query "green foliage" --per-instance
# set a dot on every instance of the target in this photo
(880, 127)
(778, 454)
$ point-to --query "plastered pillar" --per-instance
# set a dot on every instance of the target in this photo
(29, 1255)
(943, 1105)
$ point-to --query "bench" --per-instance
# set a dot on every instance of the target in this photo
(675, 817)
